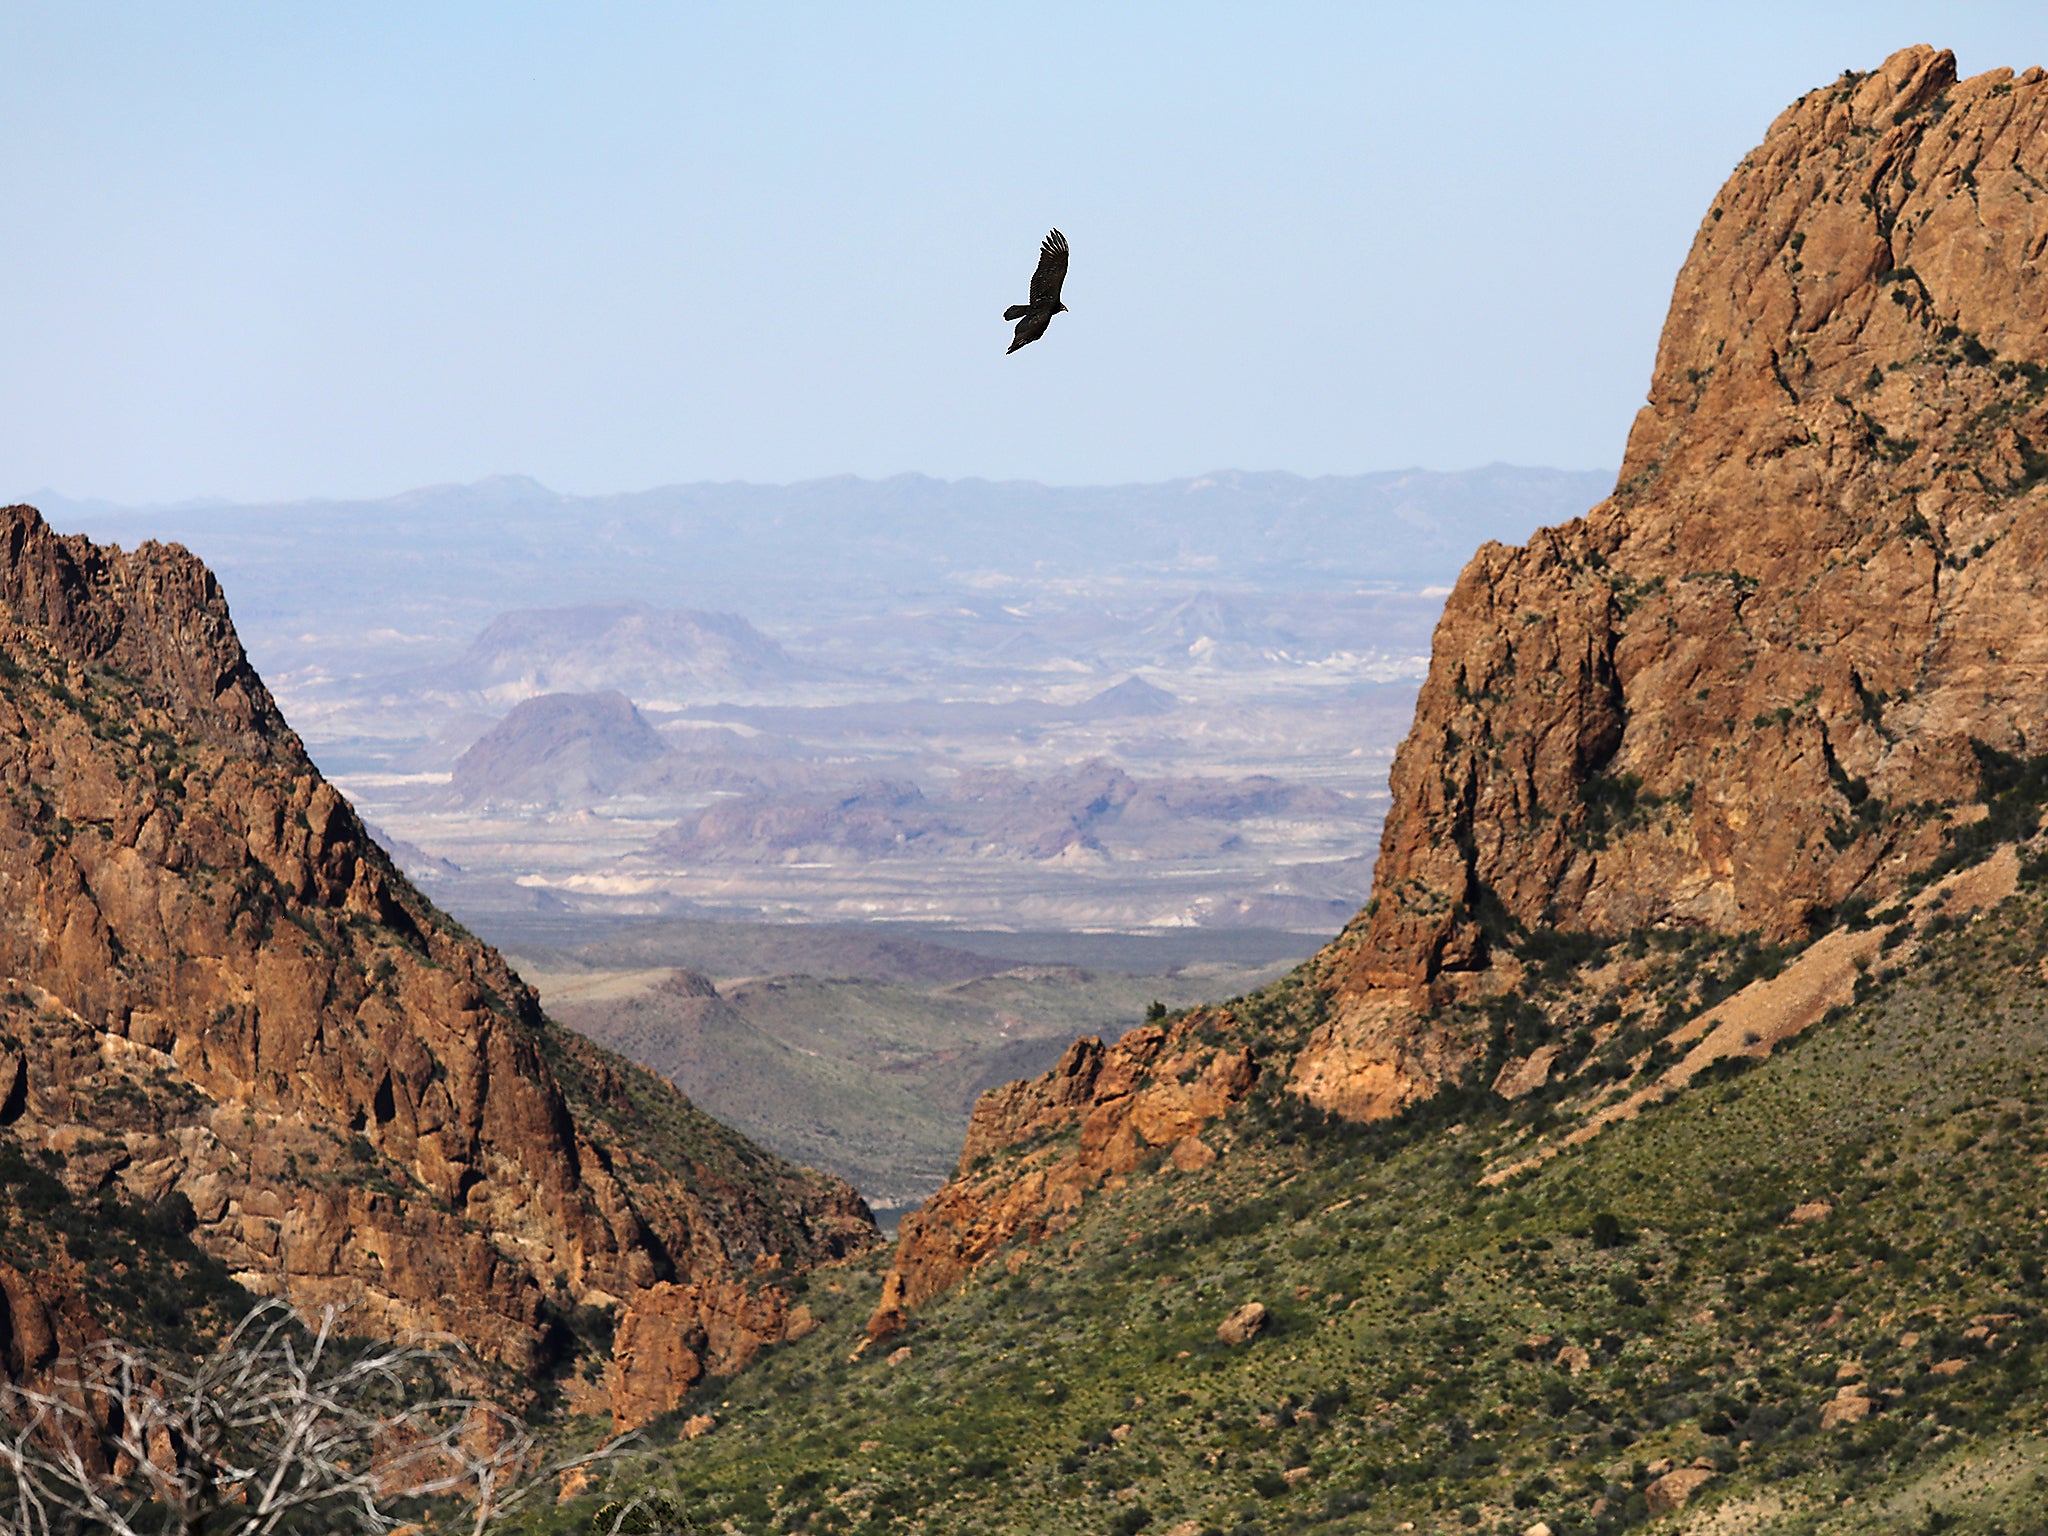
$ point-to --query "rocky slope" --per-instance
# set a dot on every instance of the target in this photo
(1749, 686)
(1765, 685)
(221, 1000)
(1803, 1298)
(1153, 1090)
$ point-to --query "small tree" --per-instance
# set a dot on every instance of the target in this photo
(278, 1429)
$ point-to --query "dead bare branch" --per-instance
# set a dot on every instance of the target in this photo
(280, 1423)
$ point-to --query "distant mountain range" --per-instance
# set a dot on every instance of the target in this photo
(802, 681)
(556, 751)
(448, 559)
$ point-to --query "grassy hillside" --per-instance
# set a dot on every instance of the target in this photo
(1862, 1211)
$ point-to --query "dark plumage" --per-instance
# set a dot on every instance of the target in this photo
(1033, 318)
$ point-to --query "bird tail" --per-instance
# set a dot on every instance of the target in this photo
(1016, 311)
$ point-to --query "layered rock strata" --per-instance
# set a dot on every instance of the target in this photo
(214, 985)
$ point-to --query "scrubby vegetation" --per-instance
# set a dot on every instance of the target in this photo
(144, 1265)
(1859, 1216)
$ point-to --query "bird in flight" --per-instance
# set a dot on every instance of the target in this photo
(1033, 318)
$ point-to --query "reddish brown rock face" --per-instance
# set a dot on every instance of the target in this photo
(214, 984)
(41, 1320)
(1737, 692)
(1746, 687)
(1153, 1090)
(676, 1333)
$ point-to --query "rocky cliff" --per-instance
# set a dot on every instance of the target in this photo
(1091, 1121)
(1769, 679)
(220, 997)
(1756, 682)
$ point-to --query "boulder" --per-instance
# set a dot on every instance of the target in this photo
(574, 1483)
(1846, 1409)
(1674, 1490)
(1243, 1325)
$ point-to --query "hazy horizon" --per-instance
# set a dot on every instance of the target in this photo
(259, 255)
(60, 497)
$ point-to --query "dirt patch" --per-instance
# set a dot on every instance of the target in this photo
(1766, 1013)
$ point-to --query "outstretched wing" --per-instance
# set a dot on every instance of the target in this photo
(1052, 271)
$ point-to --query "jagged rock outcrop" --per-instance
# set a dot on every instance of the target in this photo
(1768, 676)
(677, 1333)
(1151, 1092)
(213, 984)
(40, 1323)
(1748, 686)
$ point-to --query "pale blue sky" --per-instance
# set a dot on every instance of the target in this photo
(276, 250)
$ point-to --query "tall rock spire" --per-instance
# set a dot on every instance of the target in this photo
(1755, 681)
